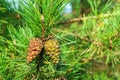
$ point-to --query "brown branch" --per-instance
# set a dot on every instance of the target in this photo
(70, 21)
(43, 27)
(84, 18)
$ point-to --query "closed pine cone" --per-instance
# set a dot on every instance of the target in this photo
(60, 78)
(34, 48)
(52, 50)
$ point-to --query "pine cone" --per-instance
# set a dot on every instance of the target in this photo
(52, 50)
(34, 48)
(60, 78)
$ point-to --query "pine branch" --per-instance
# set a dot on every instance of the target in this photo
(43, 27)
(85, 18)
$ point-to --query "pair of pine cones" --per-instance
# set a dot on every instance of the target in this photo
(51, 47)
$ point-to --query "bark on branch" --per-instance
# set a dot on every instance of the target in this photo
(84, 18)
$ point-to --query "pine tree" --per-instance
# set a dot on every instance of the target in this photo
(38, 43)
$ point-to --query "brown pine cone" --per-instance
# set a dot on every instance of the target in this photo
(34, 48)
(52, 50)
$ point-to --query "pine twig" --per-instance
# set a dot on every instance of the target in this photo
(84, 18)
(40, 58)
(43, 27)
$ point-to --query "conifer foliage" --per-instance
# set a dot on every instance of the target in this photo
(38, 42)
